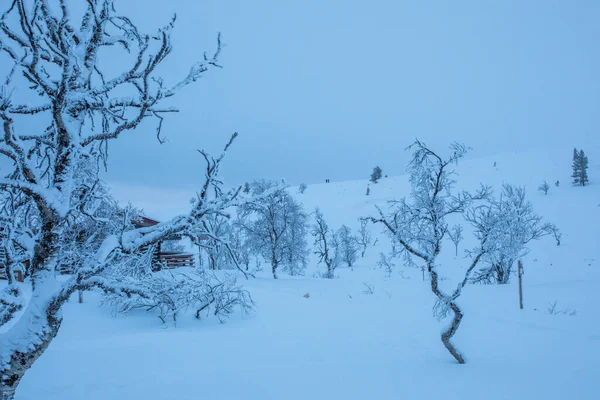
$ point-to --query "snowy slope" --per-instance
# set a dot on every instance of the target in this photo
(342, 342)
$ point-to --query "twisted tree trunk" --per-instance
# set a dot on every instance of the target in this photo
(44, 329)
(20, 363)
(458, 315)
(448, 333)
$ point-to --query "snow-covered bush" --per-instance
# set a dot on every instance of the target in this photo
(554, 310)
(544, 187)
(516, 224)
(172, 292)
(386, 263)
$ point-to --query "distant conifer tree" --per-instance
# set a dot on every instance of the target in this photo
(583, 177)
(376, 174)
(576, 167)
(580, 166)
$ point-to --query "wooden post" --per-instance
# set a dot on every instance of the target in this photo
(520, 272)
(423, 272)
(80, 296)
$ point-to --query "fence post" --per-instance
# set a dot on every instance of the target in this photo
(520, 272)
(80, 296)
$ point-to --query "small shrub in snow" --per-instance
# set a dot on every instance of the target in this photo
(364, 236)
(554, 310)
(455, 235)
(302, 188)
(369, 289)
(544, 187)
(556, 233)
(386, 263)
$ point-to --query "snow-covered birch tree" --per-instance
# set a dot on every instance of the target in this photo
(418, 225)
(276, 227)
(364, 237)
(348, 244)
(56, 54)
(326, 245)
(296, 243)
(456, 235)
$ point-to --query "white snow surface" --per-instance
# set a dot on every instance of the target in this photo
(343, 343)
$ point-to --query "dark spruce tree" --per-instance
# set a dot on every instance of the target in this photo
(580, 166)
(376, 174)
(576, 167)
(583, 176)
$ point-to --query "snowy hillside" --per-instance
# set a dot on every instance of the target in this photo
(363, 335)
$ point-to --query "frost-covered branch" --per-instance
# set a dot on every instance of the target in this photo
(57, 215)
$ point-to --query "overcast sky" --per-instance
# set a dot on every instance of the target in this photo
(328, 88)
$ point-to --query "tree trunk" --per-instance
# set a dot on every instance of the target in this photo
(21, 362)
(274, 264)
(447, 335)
(7, 393)
(520, 285)
(499, 274)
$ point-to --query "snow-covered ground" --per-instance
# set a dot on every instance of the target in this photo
(342, 342)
